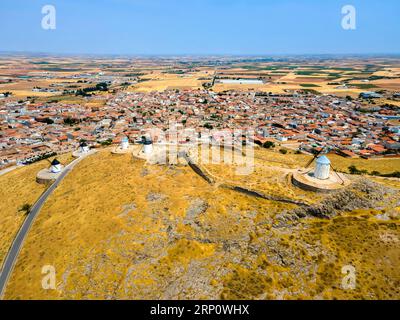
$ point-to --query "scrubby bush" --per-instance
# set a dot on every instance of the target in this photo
(353, 170)
(107, 142)
(268, 145)
(395, 174)
(26, 208)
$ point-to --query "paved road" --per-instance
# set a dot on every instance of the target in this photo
(16, 246)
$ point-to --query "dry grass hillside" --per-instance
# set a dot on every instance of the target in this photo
(117, 228)
(17, 188)
(292, 160)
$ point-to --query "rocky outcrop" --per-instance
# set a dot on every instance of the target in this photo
(362, 194)
(197, 207)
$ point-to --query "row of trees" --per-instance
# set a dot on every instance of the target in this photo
(102, 86)
(354, 170)
(40, 157)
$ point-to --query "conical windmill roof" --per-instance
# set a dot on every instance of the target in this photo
(55, 162)
(323, 160)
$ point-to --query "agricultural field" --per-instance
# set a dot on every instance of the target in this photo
(341, 77)
(165, 81)
(327, 78)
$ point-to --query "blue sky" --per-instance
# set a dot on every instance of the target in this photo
(237, 27)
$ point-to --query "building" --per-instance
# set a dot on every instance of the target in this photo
(56, 166)
(124, 143)
(322, 169)
(147, 146)
(370, 95)
(84, 148)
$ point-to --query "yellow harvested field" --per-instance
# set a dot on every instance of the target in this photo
(162, 85)
(29, 93)
(219, 87)
(165, 81)
(391, 84)
(388, 73)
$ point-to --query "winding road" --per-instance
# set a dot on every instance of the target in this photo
(16, 246)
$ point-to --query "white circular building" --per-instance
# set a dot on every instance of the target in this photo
(124, 143)
(147, 146)
(49, 175)
(322, 170)
(82, 150)
(123, 148)
(321, 179)
(56, 166)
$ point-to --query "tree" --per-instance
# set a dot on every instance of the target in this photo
(70, 121)
(106, 143)
(283, 151)
(353, 170)
(26, 208)
(102, 86)
(268, 145)
(395, 174)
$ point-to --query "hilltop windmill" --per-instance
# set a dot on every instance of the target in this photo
(124, 147)
(323, 165)
(147, 143)
(324, 150)
(55, 165)
(49, 175)
(323, 178)
(82, 150)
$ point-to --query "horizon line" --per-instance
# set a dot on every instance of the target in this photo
(254, 55)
